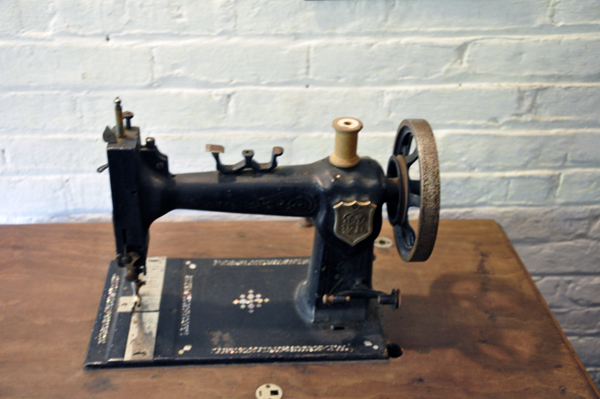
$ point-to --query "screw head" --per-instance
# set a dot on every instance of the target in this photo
(127, 115)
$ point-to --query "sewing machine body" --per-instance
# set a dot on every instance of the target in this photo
(322, 307)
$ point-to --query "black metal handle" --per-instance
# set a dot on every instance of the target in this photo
(392, 299)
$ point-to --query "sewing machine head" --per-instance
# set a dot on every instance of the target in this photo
(343, 194)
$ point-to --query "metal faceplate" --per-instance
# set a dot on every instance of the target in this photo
(141, 339)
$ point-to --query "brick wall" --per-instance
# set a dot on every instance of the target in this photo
(510, 87)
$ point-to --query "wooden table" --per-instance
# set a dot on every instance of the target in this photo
(472, 323)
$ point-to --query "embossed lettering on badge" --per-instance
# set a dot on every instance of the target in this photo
(353, 220)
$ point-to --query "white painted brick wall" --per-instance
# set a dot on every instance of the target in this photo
(511, 88)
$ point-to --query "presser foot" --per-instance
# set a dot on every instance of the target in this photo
(208, 311)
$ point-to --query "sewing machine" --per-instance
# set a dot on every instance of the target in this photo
(158, 311)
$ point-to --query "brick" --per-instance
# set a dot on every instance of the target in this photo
(455, 60)
(460, 189)
(230, 62)
(90, 194)
(564, 106)
(594, 373)
(595, 229)
(144, 17)
(559, 257)
(533, 225)
(554, 289)
(53, 155)
(38, 112)
(60, 64)
(344, 62)
(498, 151)
(158, 111)
(579, 321)
(21, 18)
(98, 18)
(378, 146)
(301, 109)
(311, 17)
(532, 189)
(472, 190)
(310, 147)
(28, 197)
(576, 12)
(579, 186)
(588, 349)
(9, 17)
(529, 59)
(455, 105)
(584, 149)
(585, 291)
(514, 107)
(538, 224)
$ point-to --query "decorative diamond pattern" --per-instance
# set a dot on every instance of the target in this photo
(250, 301)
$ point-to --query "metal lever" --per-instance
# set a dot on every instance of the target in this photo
(392, 299)
(247, 163)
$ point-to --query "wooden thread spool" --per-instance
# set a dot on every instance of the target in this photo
(346, 138)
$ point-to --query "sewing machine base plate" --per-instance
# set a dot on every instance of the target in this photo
(208, 311)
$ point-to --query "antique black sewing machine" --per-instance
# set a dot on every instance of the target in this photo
(157, 311)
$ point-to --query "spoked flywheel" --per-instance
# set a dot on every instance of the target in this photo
(414, 148)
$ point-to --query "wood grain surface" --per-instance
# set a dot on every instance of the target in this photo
(472, 323)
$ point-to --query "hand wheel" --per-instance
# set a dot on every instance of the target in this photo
(414, 144)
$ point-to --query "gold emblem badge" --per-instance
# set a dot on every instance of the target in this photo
(353, 221)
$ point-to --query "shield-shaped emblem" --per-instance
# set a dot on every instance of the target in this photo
(353, 221)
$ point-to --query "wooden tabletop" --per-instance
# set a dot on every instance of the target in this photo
(472, 323)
